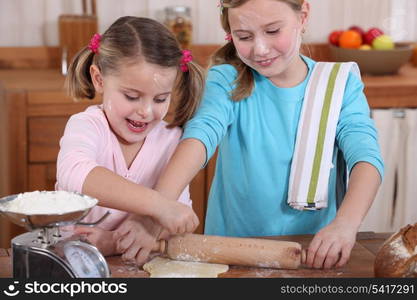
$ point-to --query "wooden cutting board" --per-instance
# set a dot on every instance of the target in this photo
(360, 265)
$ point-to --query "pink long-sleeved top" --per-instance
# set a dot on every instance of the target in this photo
(89, 142)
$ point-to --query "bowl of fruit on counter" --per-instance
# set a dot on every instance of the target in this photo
(373, 50)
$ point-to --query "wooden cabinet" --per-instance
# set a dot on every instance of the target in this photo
(33, 112)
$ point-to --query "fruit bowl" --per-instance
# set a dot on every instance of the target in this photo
(375, 62)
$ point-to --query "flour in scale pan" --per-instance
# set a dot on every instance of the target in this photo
(48, 202)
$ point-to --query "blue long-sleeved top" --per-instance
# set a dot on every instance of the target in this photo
(256, 139)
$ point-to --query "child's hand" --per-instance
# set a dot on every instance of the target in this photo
(176, 218)
(331, 246)
(104, 240)
(137, 235)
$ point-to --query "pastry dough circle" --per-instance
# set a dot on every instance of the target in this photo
(165, 267)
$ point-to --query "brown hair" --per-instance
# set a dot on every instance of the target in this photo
(227, 54)
(127, 40)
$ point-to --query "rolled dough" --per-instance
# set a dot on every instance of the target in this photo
(165, 267)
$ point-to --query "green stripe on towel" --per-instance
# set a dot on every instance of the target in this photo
(322, 134)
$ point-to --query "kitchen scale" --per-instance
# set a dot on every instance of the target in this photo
(47, 252)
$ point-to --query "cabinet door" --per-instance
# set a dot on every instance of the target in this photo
(198, 194)
(44, 136)
(41, 177)
(200, 189)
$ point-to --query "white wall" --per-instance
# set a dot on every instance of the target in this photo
(34, 22)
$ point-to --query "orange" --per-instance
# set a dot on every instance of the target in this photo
(350, 39)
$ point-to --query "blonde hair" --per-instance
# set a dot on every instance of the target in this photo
(228, 55)
(128, 40)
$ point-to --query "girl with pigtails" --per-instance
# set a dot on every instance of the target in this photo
(116, 151)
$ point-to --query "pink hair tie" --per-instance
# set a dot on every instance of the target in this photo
(95, 43)
(228, 37)
(186, 58)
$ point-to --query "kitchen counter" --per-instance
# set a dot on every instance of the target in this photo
(359, 265)
(45, 86)
(392, 91)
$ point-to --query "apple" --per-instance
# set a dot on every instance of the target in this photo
(358, 29)
(334, 37)
(383, 42)
(365, 47)
(371, 34)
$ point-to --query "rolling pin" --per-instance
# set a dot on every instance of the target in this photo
(252, 252)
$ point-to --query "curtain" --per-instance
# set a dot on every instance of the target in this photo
(395, 204)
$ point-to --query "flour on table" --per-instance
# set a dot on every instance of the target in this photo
(165, 267)
(48, 202)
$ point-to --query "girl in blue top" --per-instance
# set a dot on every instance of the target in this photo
(250, 111)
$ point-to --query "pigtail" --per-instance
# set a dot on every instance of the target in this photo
(187, 94)
(245, 80)
(78, 82)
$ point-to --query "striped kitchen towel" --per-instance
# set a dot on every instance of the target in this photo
(312, 160)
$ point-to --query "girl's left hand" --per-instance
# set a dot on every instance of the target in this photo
(137, 236)
(331, 246)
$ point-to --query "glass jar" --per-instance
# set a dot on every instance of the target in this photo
(178, 20)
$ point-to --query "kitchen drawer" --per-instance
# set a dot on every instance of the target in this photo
(44, 134)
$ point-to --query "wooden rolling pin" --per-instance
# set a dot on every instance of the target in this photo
(232, 251)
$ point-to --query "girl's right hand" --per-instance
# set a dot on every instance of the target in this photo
(176, 218)
(104, 240)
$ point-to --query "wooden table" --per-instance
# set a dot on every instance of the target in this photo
(359, 265)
